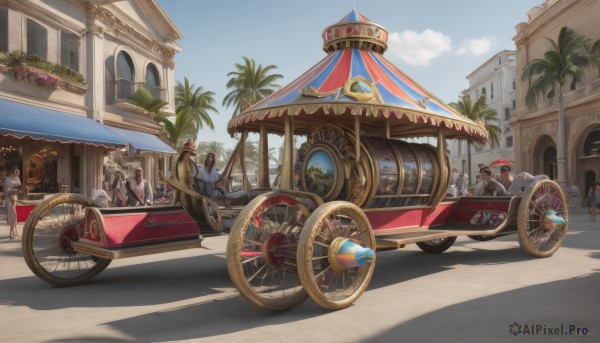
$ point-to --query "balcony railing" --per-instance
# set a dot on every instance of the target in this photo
(125, 88)
(551, 104)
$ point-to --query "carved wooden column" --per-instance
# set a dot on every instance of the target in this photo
(263, 158)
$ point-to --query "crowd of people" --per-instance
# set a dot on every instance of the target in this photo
(502, 184)
(134, 192)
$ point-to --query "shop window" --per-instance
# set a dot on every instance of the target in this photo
(125, 75)
(153, 81)
(69, 50)
(37, 39)
(3, 29)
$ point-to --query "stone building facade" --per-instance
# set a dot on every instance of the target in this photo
(495, 80)
(118, 47)
(536, 129)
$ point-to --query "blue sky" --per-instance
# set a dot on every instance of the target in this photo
(435, 42)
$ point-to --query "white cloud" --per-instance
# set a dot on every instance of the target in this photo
(476, 46)
(418, 49)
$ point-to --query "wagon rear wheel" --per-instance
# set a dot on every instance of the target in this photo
(542, 219)
(47, 236)
(336, 256)
(261, 250)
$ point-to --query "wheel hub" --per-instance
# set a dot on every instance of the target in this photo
(552, 221)
(271, 249)
(345, 254)
(68, 235)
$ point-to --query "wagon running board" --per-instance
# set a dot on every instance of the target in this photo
(91, 249)
(398, 241)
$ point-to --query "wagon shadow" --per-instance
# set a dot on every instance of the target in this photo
(231, 313)
(142, 284)
(497, 317)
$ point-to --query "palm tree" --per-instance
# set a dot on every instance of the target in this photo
(249, 84)
(195, 102)
(566, 61)
(217, 148)
(478, 112)
(176, 132)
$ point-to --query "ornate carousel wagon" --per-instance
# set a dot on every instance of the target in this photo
(356, 185)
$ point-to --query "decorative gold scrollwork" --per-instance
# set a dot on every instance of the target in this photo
(361, 89)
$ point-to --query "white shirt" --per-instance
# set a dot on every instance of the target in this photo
(204, 175)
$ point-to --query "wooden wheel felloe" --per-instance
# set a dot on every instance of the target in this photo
(47, 236)
(542, 219)
(336, 256)
(261, 250)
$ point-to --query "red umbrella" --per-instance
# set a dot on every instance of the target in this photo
(501, 162)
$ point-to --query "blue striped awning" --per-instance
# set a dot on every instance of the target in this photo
(21, 120)
(140, 141)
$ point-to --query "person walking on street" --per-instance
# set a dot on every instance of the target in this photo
(119, 189)
(138, 190)
(12, 187)
(462, 184)
(595, 200)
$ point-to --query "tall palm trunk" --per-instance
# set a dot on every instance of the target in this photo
(561, 158)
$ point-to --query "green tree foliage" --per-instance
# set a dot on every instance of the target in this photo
(217, 148)
(565, 61)
(196, 103)
(249, 84)
(478, 112)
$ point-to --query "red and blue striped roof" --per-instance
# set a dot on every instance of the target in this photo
(320, 93)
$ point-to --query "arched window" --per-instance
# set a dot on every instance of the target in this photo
(37, 39)
(492, 91)
(483, 93)
(153, 81)
(125, 75)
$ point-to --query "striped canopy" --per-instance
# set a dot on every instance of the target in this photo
(354, 79)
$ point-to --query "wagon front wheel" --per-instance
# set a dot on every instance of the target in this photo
(542, 219)
(436, 246)
(261, 250)
(336, 255)
(47, 236)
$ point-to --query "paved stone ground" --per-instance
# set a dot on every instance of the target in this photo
(473, 292)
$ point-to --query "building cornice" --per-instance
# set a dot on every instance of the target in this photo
(524, 30)
(125, 31)
(35, 11)
(491, 60)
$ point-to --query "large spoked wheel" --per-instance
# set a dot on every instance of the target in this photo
(542, 219)
(436, 246)
(261, 250)
(47, 236)
(336, 256)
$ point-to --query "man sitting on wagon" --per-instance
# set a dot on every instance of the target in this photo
(491, 186)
